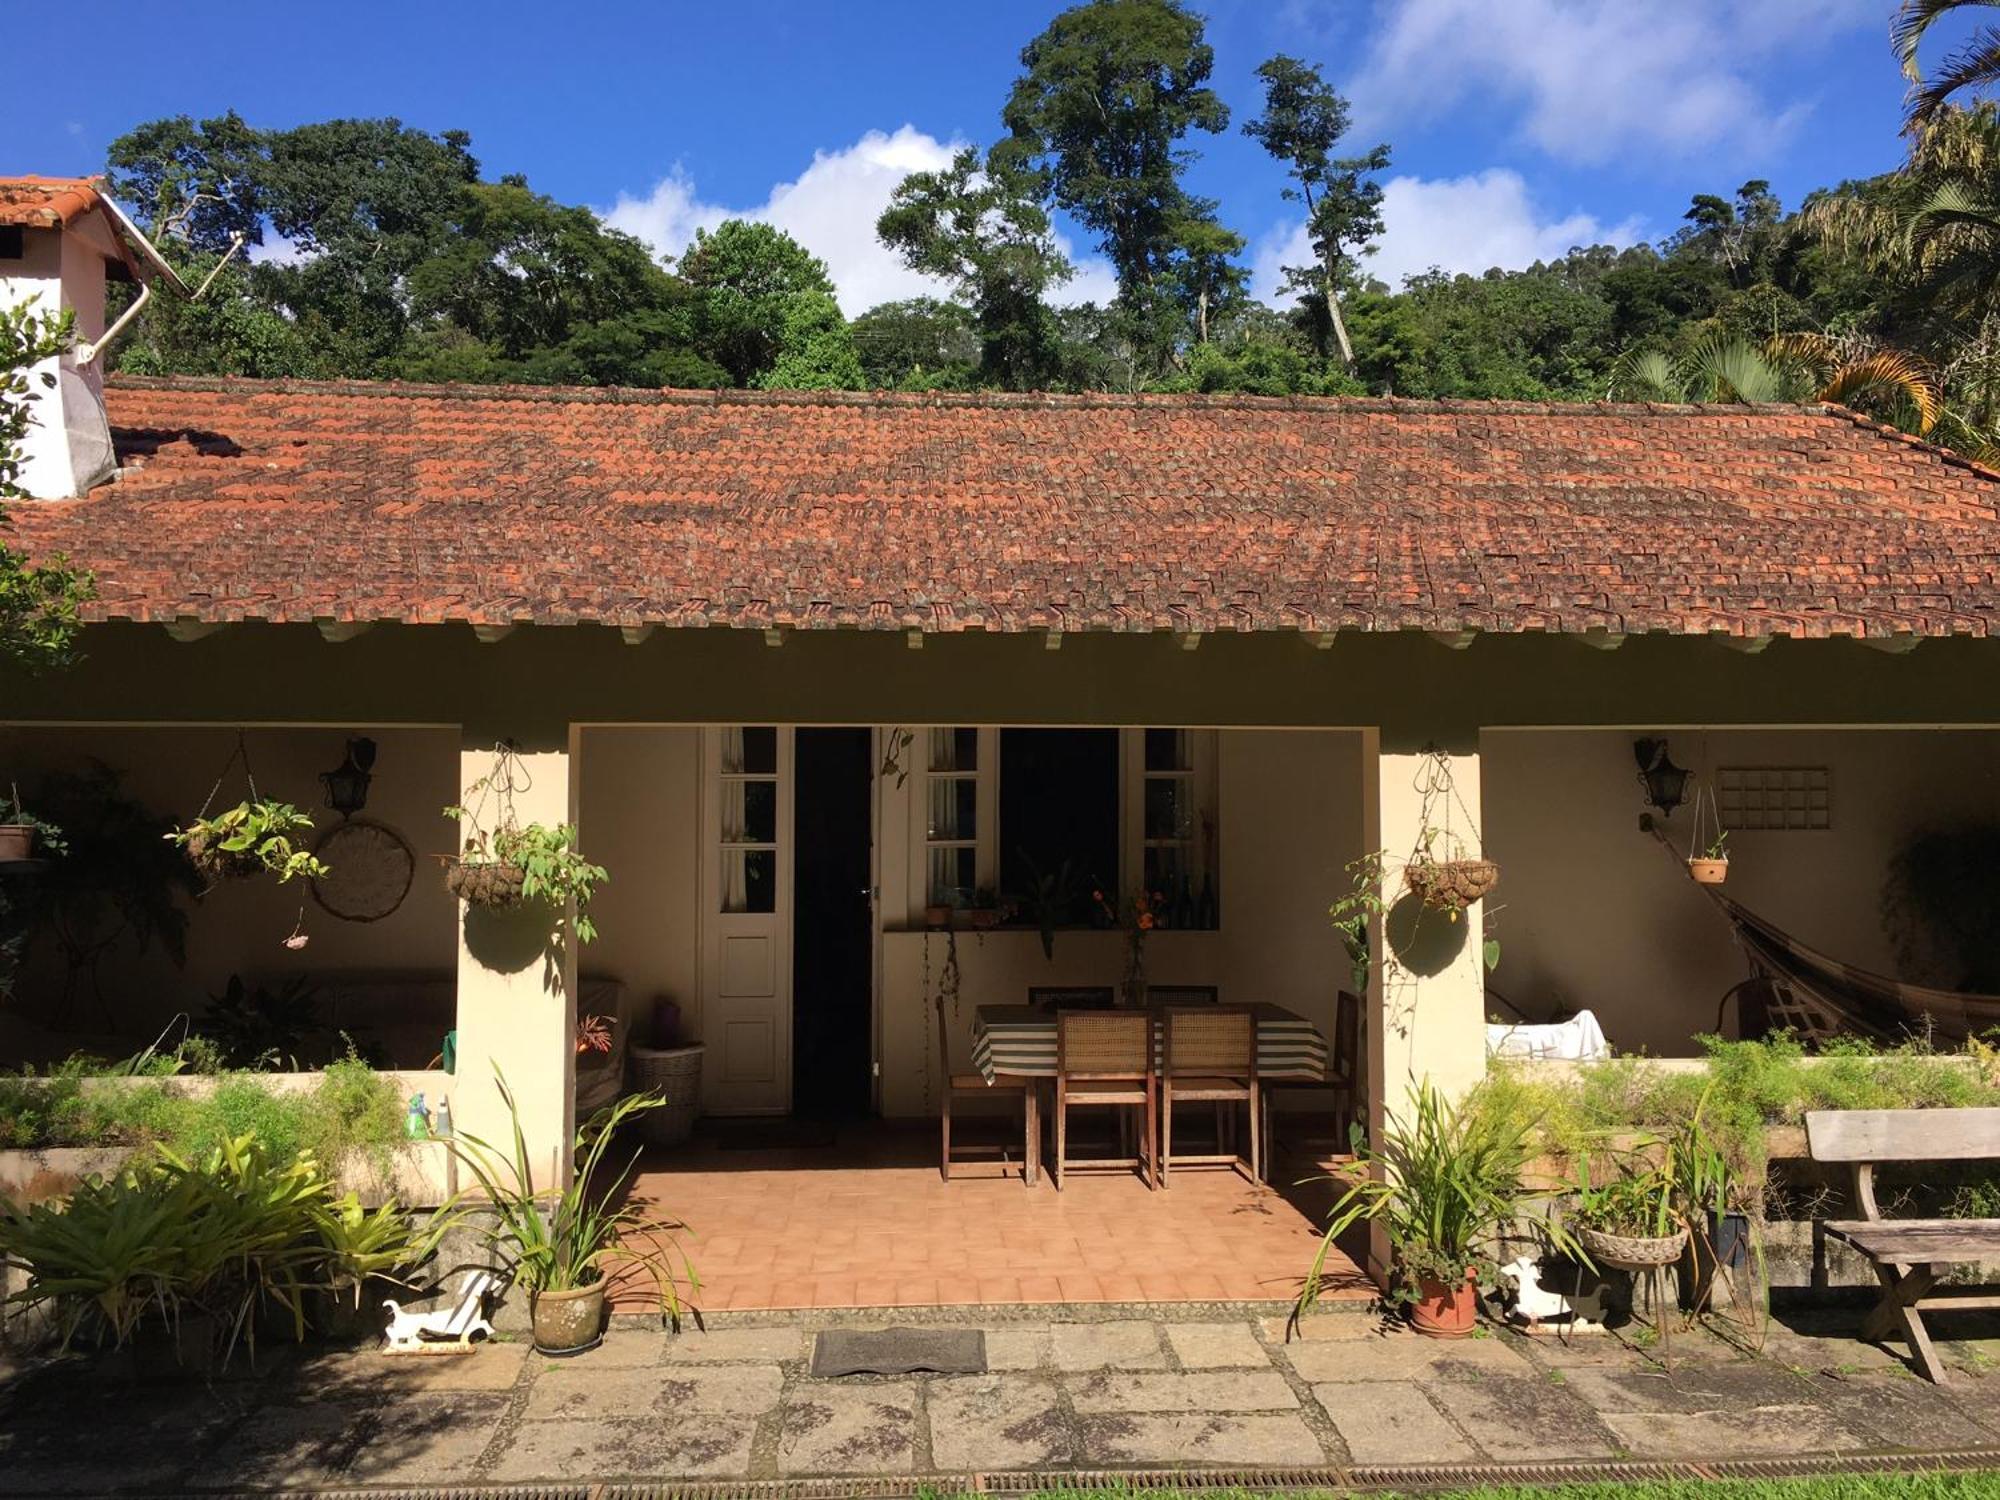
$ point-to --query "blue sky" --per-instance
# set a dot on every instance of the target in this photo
(1518, 126)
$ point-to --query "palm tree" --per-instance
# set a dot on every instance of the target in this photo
(1849, 371)
(1976, 65)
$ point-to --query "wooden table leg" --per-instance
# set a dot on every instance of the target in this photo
(1032, 1109)
(1897, 1312)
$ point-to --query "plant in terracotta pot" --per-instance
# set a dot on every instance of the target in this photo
(1443, 1180)
(22, 833)
(562, 1244)
(1711, 866)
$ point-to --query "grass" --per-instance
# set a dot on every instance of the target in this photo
(352, 1109)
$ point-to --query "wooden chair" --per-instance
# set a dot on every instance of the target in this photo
(1343, 1079)
(1106, 1057)
(1210, 1058)
(974, 1085)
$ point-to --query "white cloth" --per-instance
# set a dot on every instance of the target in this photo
(1579, 1039)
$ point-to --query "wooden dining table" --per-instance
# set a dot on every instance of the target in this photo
(1019, 1041)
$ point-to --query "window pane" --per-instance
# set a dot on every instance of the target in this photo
(1168, 815)
(952, 874)
(954, 807)
(750, 812)
(1059, 806)
(1166, 868)
(954, 750)
(1167, 750)
(749, 880)
(760, 751)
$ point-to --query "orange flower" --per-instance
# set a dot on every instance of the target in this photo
(1146, 922)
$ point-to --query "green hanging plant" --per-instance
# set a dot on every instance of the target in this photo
(251, 838)
(515, 862)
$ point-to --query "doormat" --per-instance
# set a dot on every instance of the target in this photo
(898, 1351)
(773, 1135)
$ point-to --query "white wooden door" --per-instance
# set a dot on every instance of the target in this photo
(746, 1001)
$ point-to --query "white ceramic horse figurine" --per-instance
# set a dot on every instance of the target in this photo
(1533, 1303)
(415, 1332)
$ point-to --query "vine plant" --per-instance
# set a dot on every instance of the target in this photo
(546, 858)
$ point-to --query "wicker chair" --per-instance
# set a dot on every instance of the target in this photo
(1106, 1057)
(974, 1085)
(1211, 1058)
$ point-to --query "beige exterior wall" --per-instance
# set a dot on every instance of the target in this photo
(1593, 913)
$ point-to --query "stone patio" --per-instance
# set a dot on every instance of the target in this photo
(1066, 1389)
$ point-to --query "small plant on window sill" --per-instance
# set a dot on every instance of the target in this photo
(251, 838)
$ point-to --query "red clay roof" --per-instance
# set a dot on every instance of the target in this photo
(295, 501)
(47, 202)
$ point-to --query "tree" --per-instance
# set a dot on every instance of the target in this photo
(1789, 367)
(919, 344)
(1976, 65)
(746, 277)
(1303, 120)
(1095, 123)
(815, 347)
(38, 603)
(980, 231)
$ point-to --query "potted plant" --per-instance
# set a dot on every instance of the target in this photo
(1444, 1180)
(1449, 882)
(517, 862)
(1630, 1222)
(1711, 866)
(21, 831)
(252, 838)
(987, 912)
(560, 1243)
(937, 915)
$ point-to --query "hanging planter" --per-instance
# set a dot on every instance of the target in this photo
(1450, 884)
(255, 837)
(1708, 863)
(518, 862)
(21, 832)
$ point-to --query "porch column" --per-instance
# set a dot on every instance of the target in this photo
(517, 982)
(1427, 986)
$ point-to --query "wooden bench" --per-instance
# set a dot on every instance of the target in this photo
(1910, 1256)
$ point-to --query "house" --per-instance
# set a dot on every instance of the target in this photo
(798, 665)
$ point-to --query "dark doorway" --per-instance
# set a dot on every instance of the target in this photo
(832, 938)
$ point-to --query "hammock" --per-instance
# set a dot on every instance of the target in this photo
(1820, 997)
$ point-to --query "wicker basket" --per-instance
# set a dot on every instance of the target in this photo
(485, 883)
(676, 1073)
(216, 865)
(1451, 884)
(1627, 1252)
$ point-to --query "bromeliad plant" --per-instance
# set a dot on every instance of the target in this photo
(1444, 1180)
(567, 1240)
(252, 838)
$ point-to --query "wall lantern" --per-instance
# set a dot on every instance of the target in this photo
(1665, 782)
(347, 784)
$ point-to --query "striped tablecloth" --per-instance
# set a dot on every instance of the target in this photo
(1021, 1040)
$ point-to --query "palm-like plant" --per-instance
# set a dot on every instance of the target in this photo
(1975, 65)
(563, 1240)
(1787, 367)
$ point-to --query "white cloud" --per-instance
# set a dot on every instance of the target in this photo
(1596, 80)
(831, 209)
(1468, 224)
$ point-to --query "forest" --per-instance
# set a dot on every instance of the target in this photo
(389, 252)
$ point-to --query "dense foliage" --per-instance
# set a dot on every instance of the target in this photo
(386, 253)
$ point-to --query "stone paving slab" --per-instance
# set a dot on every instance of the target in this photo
(699, 1446)
(574, 1391)
(1393, 1422)
(834, 1428)
(368, 1375)
(428, 1440)
(1761, 1432)
(735, 1345)
(1688, 1388)
(1233, 1390)
(1174, 1440)
(1522, 1417)
(1900, 1411)
(1024, 1348)
(1129, 1345)
(981, 1423)
(1216, 1346)
(1405, 1357)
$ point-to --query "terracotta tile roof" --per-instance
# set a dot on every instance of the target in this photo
(47, 202)
(292, 502)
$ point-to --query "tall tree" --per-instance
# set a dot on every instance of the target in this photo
(980, 231)
(1096, 122)
(748, 278)
(1303, 121)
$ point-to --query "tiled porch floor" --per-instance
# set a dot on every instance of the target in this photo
(867, 1222)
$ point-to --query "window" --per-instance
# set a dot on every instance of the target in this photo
(1772, 797)
(951, 827)
(1174, 772)
(13, 242)
(750, 819)
(1059, 805)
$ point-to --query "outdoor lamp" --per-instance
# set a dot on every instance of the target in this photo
(347, 784)
(1665, 782)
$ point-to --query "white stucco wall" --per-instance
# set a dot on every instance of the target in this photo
(1594, 913)
(64, 271)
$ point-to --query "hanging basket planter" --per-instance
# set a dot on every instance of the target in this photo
(215, 864)
(1451, 884)
(1709, 871)
(1631, 1252)
(487, 882)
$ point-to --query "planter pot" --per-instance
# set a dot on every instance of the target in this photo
(1452, 884)
(1628, 1252)
(1721, 1259)
(1445, 1312)
(674, 1072)
(17, 842)
(983, 918)
(567, 1323)
(486, 883)
(937, 916)
(1708, 871)
(217, 865)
